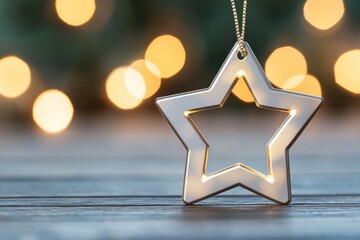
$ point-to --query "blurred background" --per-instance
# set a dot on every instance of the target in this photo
(78, 83)
(65, 60)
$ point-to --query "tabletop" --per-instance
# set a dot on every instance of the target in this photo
(120, 177)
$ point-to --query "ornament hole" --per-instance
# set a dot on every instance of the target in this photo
(239, 56)
(231, 133)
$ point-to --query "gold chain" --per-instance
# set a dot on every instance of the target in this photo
(240, 35)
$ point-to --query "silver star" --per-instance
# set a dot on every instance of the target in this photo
(178, 108)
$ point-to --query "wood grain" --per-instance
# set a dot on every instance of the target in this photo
(95, 182)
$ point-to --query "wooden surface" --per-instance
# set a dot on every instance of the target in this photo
(121, 178)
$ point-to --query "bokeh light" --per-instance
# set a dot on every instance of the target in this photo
(15, 77)
(125, 88)
(168, 54)
(75, 12)
(53, 111)
(241, 90)
(347, 71)
(323, 14)
(283, 64)
(307, 84)
(135, 83)
(152, 81)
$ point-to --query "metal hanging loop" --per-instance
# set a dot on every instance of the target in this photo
(240, 34)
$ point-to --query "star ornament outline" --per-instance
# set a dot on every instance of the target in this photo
(178, 108)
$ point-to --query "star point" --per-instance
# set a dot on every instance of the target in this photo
(177, 109)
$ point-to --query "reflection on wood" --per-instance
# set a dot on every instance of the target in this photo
(94, 183)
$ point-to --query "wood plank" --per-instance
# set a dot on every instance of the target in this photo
(166, 228)
(60, 166)
(164, 217)
(144, 136)
(226, 201)
(160, 185)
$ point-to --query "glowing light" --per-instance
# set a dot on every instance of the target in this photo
(75, 12)
(53, 111)
(168, 54)
(323, 14)
(307, 84)
(347, 71)
(125, 88)
(293, 112)
(242, 91)
(15, 77)
(134, 83)
(283, 64)
(270, 179)
(152, 81)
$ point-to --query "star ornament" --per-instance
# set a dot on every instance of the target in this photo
(178, 109)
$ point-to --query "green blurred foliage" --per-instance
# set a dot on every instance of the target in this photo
(78, 60)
